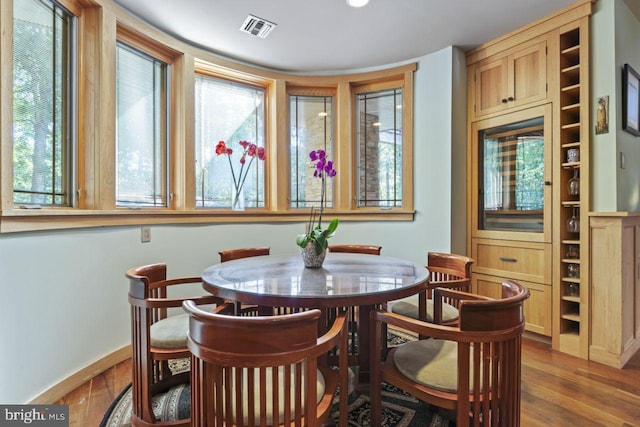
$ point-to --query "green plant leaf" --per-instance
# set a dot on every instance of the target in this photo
(302, 240)
(333, 225)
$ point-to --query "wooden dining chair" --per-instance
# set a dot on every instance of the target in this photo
(445, 271)
(353, 321)
(472, 369)
(264, 370)
(356, 249)
(238, 253)
(157, 337)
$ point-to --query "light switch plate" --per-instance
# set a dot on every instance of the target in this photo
(145, 234)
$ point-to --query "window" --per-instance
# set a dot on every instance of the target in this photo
(379, 148)
(512, 162)
(142, 129)
(311, 128)
(231, 112)
(43, 103)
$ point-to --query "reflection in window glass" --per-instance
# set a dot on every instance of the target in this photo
(230, 112)
(141, 154)
(311, 128)
(43, 103)
(379, 139)
(513, 176)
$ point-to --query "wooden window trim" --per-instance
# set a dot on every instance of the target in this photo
(404, 82)
(100, 25)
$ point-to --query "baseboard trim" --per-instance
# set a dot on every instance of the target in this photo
(75, 380)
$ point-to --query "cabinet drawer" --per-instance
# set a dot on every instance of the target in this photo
(529, 261)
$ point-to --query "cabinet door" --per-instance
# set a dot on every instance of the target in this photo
(537, 308)
(491, 86)
(529, 67)
(511, 175)
(512, 79)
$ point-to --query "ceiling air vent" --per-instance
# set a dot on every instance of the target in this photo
(257, 26)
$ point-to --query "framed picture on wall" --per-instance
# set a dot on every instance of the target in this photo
(630, 100)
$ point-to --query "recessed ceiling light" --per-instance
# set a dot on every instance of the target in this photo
(357, 3)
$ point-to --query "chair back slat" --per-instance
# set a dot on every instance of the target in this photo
(451, 271)
(261, 370)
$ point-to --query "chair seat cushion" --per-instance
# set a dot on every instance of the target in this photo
(170, 332)
(430, 362)
(449, 312)
(320, 387)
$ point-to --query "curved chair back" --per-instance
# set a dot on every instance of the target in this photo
(156, 338)
(444, 267)
(485, 349)
(356, 249)
(231, 254)
(238, 363)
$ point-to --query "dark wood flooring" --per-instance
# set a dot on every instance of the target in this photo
(557, 390)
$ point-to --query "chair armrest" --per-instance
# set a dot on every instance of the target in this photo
(332, 337)
(177, 302)
(416, 326)
(439, 294)
(176, 281)
(451, 284)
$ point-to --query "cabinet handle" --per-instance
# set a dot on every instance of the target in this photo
(547, 183)
(504, 100)
(505, 259)
(510, 98)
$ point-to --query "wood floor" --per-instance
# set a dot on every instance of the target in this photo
(557, 390)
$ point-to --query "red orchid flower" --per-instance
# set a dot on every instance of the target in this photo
(249, 149)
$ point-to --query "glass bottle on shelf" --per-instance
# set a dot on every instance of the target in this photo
(573, 252)
(573, 289)
(573, 224)
(573, 271)
(574, 184)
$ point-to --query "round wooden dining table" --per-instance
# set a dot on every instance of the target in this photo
(345, 280)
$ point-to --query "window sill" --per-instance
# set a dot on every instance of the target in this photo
(24, 220)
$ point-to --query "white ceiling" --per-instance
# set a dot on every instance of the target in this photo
(328, 36)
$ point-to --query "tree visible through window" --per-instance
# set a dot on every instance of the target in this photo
(230, 112)
(142, 160)
(379, 142)
(43, 102)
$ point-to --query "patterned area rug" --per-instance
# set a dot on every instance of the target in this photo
(399, 408)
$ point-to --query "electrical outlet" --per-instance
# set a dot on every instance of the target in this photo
(145, 234)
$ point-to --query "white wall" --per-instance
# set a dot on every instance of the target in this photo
(64, 294)
(627, 30)
(615, 32)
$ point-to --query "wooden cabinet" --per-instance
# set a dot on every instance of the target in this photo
(524, 222)
(615, 288)
(512, 79)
